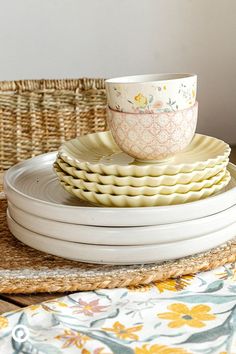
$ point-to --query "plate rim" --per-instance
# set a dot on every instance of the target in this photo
(222, 165)
(159, 228)
(114, 216)
(217, 179)
(115, 249)
(21, 164)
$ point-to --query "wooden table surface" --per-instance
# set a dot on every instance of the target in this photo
(14, 302)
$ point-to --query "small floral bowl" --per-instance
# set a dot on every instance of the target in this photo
(153, 136)
(152, 93)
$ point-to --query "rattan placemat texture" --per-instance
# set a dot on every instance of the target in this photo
(25, 270)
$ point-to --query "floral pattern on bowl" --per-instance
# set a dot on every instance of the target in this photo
(154, 136)
(169, 95)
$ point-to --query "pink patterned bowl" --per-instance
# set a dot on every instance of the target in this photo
(153, 136)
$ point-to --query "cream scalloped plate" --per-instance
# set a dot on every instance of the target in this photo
(147, 181)
(135, 191)
(99, 153)
(144, 200)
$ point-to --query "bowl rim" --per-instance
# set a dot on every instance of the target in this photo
(150, 78)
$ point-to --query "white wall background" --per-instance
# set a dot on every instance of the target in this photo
(107, 38)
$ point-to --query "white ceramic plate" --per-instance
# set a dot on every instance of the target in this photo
(120, 254)
(167, 180)
(142, 235)
(120, 201)
(33, 186)
(99, 153)
(133, 191)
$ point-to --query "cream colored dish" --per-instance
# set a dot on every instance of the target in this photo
(134, 191)
(112, 254)
(143, 200)
(149, 181)
(99, 153)
(120, 236)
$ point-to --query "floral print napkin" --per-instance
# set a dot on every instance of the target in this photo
(191, 314)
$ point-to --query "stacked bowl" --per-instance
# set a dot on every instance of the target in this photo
(148, 190)
(152, 117)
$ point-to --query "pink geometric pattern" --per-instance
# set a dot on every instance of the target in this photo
(153, 136)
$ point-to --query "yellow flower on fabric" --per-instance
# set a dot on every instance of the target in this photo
(229, 272)
(140, 288)
(96, 351)
(71, 338)
(159, 349)
(56, 302)
(193, 93)
(85, 351)
(164, 87)
(62, 304)
(182, 315)
(3, 322)
(140, 100)
(34, 307)
(101, 351)
(124, 333)
(174, 284)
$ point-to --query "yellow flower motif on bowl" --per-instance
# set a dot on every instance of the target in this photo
(181, 315)
(3, 322)
(140, 100)
(122, 332)
(159, 349)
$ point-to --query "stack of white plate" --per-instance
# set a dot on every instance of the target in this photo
(153, 212)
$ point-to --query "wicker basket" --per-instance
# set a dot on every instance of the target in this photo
(36, 116)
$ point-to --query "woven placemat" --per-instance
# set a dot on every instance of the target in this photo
(25, 270)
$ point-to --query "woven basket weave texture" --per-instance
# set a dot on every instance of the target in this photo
(36, 116)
